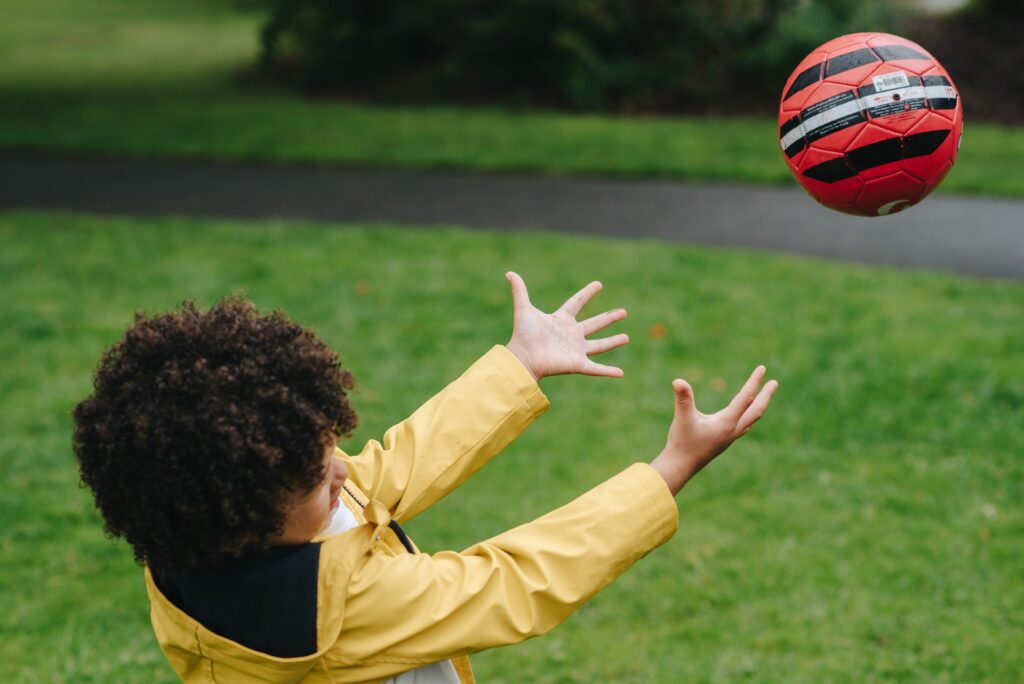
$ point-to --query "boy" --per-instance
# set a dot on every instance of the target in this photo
(270, 555)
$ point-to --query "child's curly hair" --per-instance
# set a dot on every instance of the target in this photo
(202, 425)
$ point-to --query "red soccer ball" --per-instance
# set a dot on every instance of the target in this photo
(870, 123)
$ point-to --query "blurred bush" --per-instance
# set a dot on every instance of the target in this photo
(618, 55)
(981, 48)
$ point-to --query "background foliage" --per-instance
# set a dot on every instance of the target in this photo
(666, 56)
(161, 78)
(982, 50)
(623, 55)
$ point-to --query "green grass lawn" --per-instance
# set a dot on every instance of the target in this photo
(152, 78)
(871, 528)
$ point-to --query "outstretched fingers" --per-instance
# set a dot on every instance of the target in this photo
(757, 407)
(591, 368)
(606, 343)
(573, 304)
(745, 397)
(601, 321)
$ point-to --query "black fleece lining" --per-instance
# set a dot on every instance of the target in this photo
(265, 601)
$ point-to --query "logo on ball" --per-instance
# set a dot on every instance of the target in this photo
(893, 207)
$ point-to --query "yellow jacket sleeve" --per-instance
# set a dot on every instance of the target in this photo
(450, 437)
(413, 609)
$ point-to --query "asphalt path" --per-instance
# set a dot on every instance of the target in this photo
(967, 235)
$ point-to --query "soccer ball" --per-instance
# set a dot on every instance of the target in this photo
(870, 123)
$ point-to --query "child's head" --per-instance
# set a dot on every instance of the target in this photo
(205, 426)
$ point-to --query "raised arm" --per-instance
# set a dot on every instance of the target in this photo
(450, 437)
(460, 429)
(406, 610)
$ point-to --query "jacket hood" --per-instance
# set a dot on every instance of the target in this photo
(195, 651)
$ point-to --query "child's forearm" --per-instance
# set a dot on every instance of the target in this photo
(450, 437)
(516, 585)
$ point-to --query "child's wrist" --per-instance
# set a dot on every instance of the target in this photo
(524, 358)
(673, 469)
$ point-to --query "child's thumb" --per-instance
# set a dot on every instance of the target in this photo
(520, 297)
(684, 393)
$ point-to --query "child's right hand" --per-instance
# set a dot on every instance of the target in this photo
(694, 439)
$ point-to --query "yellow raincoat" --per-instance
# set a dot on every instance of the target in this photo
(382, 611)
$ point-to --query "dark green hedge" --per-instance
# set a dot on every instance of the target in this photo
(620, 55)
(981, 47)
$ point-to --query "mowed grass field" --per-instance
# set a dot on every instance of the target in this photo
(870, 528)
(156, 78)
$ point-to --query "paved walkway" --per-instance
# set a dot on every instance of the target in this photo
(974, 236)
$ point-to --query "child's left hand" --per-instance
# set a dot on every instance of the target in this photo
(553, 344)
